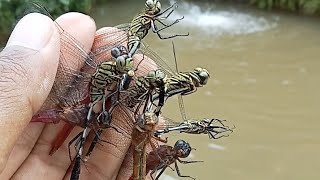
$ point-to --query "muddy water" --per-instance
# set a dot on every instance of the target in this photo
(264, 79)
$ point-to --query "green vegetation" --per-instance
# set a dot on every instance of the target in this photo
(12, 10)
(303, 6)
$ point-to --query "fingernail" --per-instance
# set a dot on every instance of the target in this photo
(32, 31)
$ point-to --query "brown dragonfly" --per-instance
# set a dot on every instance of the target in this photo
(163, 156)
(166, 155)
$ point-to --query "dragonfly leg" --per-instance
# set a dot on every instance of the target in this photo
(75, 173)
(188, 162)
(105, 117)
(165, 26)
(178, 171)
(157, 31)
(161, 172)
(90, 112)
(76, 138)
(166, 16)
(95, 141)
(93, 144)
(173, 7)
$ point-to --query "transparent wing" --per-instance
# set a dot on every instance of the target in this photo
(109, 37)
(74, 69)
(161, 63)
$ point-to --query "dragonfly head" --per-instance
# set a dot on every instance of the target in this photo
(156, 77)
(124, 63)
(152, 7)
(182, 148)
(201, 76)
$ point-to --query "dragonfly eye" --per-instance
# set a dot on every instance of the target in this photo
(203, 75)
(115, 52)
(204, 78)
(149, 4)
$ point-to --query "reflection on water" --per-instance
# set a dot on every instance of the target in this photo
(265, 80)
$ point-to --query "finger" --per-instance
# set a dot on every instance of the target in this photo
(82, 28)
(28, 66)
(22, 149)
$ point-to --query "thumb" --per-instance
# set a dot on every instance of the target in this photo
(28, 65)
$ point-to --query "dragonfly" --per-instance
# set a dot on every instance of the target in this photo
(214, 128)
(168, 155)
(138, 28)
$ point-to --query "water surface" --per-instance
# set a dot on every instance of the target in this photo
(264, 79)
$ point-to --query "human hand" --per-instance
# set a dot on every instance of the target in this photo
(28, 66)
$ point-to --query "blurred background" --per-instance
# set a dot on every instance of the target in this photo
(263, 56)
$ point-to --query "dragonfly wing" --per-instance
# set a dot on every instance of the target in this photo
(107, 38)
(160, 62)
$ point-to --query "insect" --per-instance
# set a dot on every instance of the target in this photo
(168, 155)
(134, 32)
(215, 128)
(144, 21)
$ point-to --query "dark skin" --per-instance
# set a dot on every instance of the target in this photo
(28, 65)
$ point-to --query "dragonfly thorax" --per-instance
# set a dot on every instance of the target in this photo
(124, 64)
(156, 78)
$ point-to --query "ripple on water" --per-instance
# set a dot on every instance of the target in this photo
(218, 22)
(216, 147)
